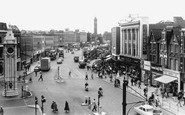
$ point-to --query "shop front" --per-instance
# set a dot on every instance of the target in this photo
(132, 65)
(170, 81)
(156, 71)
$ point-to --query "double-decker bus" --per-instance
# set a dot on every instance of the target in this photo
(53, 54)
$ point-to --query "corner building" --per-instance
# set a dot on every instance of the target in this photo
(133, 37)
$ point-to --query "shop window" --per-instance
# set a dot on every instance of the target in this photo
(1, 41)
(1, 52)
(125, 34)
(129, 34)
(171, 63)
(133, 34)
(1, 68)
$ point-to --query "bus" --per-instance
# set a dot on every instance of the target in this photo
(53, 54)
(45, 64)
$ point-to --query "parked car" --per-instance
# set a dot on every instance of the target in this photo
(82, 64)
(147, 110)
(59, 61)
(72, 52)
(37, 68)
(76, 58)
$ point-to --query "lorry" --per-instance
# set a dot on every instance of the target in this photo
(45, 64)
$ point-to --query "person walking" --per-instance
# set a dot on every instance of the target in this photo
(66, 108)
(94, 106)
(35, 73)
(139, 84)
(89, 103)
(180, 95)
(69, 73)
(1, 111)
(40, 78)
(86, 76)
(132, 81)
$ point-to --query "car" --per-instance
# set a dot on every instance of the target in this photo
(76, 58)
(72, 52)
(59, 61)
(82, 64)
(147, 110)
(37, 68)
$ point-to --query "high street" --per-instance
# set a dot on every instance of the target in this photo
(72, 90)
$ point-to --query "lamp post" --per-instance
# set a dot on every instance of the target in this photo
(125, 82)
(36, 102)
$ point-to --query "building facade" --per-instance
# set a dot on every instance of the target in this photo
(134, 33)
(115, 44)
(83, 36)
(3, 31)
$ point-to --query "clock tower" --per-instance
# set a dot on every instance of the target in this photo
(10, 65)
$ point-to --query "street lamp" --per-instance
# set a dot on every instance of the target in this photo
(36, 102)
(43, 100)
(125, 83)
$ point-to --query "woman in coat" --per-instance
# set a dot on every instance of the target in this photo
(66, 108)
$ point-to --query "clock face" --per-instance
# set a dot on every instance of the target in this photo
(10, 50)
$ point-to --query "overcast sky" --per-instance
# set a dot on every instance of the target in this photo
(79, 14)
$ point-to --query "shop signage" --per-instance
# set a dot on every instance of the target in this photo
(156, 68)
(147, 65)
(171, 73)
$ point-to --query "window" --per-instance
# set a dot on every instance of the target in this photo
(171, 63)
(171, 47)
(177, 65)
(133, 34)
(125, 34)
(125, 48)
(134, 50)
(1, 52)
(129, 48)
(1, 68)
(129, 34)
(1, 41)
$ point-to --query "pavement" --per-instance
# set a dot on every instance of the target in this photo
(169, 104)
(18, 105)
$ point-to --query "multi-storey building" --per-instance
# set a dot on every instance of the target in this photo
(69, 37)
(182, 59)
(38, 46)
(26, 49)
(134, 33)
(3, 31)
(115, 44)
(83, 36)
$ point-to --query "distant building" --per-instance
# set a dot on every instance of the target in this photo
(95, 26)
(69, 37)
(115, 44)
(83, 37)
(107, 36)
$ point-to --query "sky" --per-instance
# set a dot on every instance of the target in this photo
(79, 14)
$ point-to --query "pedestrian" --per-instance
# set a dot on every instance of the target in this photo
(35, 73)
(180, 95)
(66, 108)
(94, 106)
(132, 81)
(184, 98)
(139, 84)
(40, 78)
(86, 76)
(1, 111)
(89, 103)
(69, 73)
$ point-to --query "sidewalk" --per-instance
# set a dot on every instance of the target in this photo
(18, 106)
(168, 104)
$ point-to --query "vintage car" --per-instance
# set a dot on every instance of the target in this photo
(147, 110)
(59, 61)
(76, 58)
(37, 68)
(82, 64)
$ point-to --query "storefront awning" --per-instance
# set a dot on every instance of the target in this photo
(165, 79)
